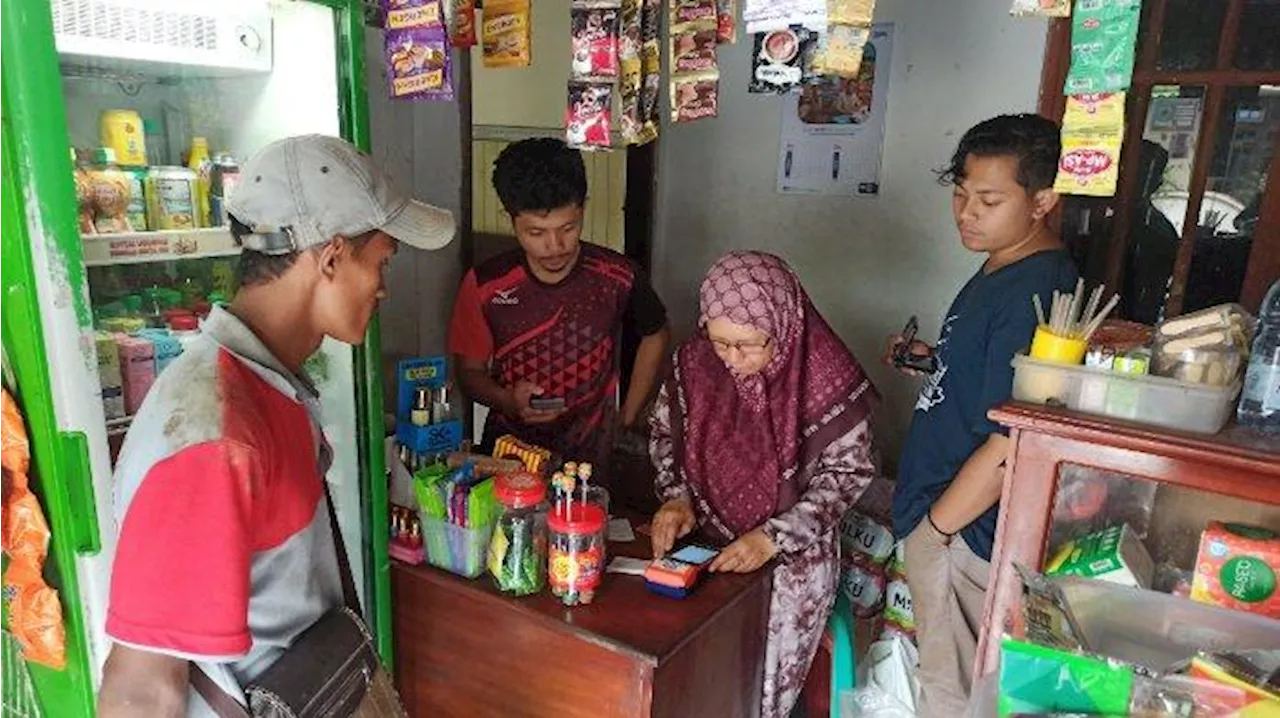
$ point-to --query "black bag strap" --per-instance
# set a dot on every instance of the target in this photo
(218, 699)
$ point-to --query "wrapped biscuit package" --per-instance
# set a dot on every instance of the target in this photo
(504, 33)
(34, 610)
(1236, 568)
(1089, 165)
(419, 59)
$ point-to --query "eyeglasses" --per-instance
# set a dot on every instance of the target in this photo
(751, 348)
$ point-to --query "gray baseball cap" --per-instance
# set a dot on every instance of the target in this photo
(300, 192)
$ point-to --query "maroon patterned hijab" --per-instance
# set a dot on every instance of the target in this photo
(747, 445)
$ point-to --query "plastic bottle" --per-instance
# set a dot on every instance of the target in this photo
(198, 160)
(1260, 400)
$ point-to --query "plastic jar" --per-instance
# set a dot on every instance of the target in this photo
(518, 549)
(185, 328)
(575, 564)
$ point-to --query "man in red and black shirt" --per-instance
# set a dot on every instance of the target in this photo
(536, 332)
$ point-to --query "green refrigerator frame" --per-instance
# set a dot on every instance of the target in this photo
(38, 190)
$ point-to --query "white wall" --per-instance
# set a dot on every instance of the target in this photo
(533, 96)
(868, 263)
(420, 145)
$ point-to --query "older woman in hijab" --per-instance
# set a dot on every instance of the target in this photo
(761, 437)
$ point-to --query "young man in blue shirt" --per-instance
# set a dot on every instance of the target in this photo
(949, 479)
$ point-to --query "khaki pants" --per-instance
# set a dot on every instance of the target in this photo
(948, 585)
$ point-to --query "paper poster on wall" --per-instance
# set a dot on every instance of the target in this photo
(833, 129)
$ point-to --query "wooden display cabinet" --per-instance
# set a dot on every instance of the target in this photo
(1181, 482)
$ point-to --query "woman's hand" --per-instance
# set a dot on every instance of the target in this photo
(751, 551)
(672, 522)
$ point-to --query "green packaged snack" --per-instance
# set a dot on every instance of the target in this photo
(1113, 554)
(1104, 35)
(1037, 680)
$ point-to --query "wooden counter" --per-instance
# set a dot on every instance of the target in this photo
(465, 650)
(1234, 475)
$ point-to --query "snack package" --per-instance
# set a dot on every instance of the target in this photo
(594, 38)
(863, 583)
(630, 30)
(401, 14)
(840, 54)
(1090, 163)
(462, 25)
(650, 81)
(505, 33)
(588, 121)
(1113, 554)
(1252, 672)
(35, 613)
(780, 59)
(418, 57)
(1103, 39)
(693, 11)
(850, 12)
(1040, 680)
(1042, 8)
(1095, 109)
(727, 21)
(695, 97)
(1046, 615)
(1236, 568)
(898, 614)
(860, 534)
(693, 48)
(897, 566)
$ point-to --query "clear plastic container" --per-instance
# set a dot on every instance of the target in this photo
(454, 548)
(1154, 400)
(518, 550)
(1217, 365)
(575, 562)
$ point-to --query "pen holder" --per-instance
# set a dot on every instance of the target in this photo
(1047, 346)
(457, 549)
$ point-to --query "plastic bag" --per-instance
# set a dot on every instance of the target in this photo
(888, 688)
(35, 614)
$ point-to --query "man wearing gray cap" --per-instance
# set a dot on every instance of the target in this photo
(226, 552)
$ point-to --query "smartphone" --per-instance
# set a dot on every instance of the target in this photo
(903, 358)
(546, 403)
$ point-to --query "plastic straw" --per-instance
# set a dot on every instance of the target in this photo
(1035, 299)
(1102, 315)
(1077, 300)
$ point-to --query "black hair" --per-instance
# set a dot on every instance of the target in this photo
(1030, 139)
(256, 267)
(539, 175)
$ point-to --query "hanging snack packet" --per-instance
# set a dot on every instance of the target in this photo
(1089, 164)
(840, 54)
(594, 37)
(694, 97)
(683, 11)
(505, 33)
(1103, 38)
(1042, 8)
(780, 57)
(35, 614)
(401, 14)
(850, 12)
(1095, 109)
(727, 21)
(693, 48)
(650, 82)
(630, 37)
(419, 61)
(587, 119)
(462, 28)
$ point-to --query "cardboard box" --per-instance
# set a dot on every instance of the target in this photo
(1236, 568)
(1113, 554)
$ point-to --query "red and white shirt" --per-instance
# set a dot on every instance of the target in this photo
(225, 553)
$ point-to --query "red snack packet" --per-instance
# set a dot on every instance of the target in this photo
(462, 32)
(588, 117)
(594, 35)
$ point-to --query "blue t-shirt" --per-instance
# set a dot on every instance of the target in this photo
(991, 319)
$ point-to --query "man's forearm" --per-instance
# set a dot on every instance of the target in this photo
(482, 389)
(644, 374)
(976, 488)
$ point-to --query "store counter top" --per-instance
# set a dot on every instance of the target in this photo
(464, 649)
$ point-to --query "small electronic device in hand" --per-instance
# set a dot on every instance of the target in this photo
(546, 403)
(676, 574)
(904, 358)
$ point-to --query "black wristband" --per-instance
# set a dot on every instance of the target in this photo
(929, 515)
